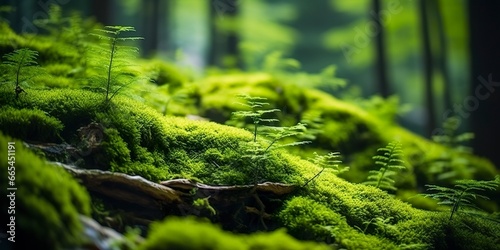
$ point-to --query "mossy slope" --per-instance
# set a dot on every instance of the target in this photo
(139, 140)
(345, 127)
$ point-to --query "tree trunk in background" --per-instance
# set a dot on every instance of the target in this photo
(213, 51)
(153, 22)
(442, 57)
(427, 65)
(102, 11)
(380, 64)
(223, 43)
(485, 57)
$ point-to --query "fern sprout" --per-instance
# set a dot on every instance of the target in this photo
(116, 57)
(21, 66)
(256, 112)
(449, 165)
(389, 160)
(451, 138)
(463, 194)
(331, 161)
(255, 151)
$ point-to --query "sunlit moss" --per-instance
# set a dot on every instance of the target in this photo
(140, 141)
(31, 125)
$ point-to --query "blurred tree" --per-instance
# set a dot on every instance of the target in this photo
(224, 37)
(428, 67)
(442, 55)
(154, 22)
(483, 102)
(102, 11)
(381, 67)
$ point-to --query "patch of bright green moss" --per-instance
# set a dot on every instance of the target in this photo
(30, 125)
(139, 140)
(355, 133)
(184, 234)
(48, 200)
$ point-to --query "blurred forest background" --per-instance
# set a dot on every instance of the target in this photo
(433, 58)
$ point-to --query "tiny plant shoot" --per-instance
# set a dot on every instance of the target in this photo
(255, 151)
(114, 57)
(256, 112)
(463, 194)
(389, 160)
(331, 161)
(21, 66)
(451, 164)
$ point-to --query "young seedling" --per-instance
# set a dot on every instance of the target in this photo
(116, 58)
(255, 151)
(463, 194)
(330, 161)
(21, 65)
(449, 165)
(390, 162)
(256, 112)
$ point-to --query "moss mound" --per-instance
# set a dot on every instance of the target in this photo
(140, 141)
(345, 127)
(47, 200)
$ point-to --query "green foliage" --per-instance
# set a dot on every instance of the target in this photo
(55, 22)
(113, 59)
(256, 112)
(191, 233)
(330, 161)
(387, 110)
(467, 229)
(255, 152)
(463, 194)
(451, 165)
(21, 66)
(204, 204)
(31, 125)
(48, 200)
(310, 220)
(390, 162)
(450, 138)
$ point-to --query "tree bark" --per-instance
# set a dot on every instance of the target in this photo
(153, 22)
(443, 53)
(381, 61)
(427, 65)
(223, 43)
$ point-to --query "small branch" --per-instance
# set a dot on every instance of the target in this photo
(133, 189)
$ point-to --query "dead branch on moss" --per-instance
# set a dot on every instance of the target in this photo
(123, 187)
(176, 196)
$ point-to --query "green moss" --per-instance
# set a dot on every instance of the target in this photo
(346, 128)
(47, 201)
(31, 125)
(470, 232)
(176, 233)
(140, 141)
(309, 220)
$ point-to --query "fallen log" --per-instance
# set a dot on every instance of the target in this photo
(149, 201)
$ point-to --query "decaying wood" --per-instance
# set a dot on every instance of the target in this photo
(266, 187)
(177, 196)
(133, 189)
